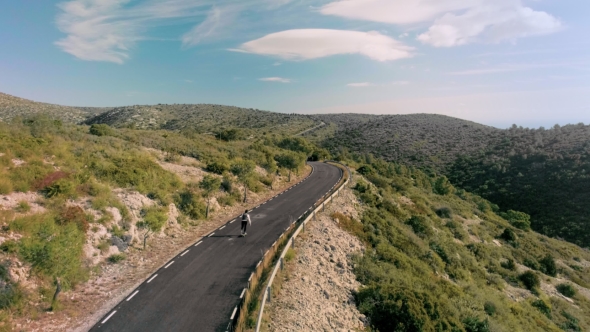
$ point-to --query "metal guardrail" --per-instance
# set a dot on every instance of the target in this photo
(290, 243)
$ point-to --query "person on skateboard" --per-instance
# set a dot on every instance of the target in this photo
(245, 222)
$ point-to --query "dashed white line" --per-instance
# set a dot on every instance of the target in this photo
(232, 221)
(210, 235)
(243, 292)
(169, 264)
(233, 313)
(251, 275)
(222, 227)
(184, 253)
(155, 275)
(132, 295)
(109, 316)
(198, 243)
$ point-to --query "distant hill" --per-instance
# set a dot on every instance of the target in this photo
(202, 118)
(11, 107)
(423, 140)
(543, 172)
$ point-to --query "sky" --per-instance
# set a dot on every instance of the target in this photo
(496, 62)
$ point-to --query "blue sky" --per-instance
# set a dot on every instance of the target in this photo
(496, 62)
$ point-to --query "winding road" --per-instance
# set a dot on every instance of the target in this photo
(199, 289)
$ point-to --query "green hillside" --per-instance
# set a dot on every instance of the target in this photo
(442, 259)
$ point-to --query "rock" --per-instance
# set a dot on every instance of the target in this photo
(127, 239)
(119, 243)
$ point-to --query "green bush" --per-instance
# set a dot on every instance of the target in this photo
(154, 217)
(489, 308)
(548, 266)
(566, 289)
(392, 308)
(508, 235)
(420, 225)
(23, 207)
(543, 307)
(444, 212)
(530, 280)
(217, 167)
(191, 204)
(474, 324)
(509, 265)
(518, 219)
(101, 130)
(116, 258)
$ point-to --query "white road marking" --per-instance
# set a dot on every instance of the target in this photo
(184, 253)
(132, 295)
(169, 264)
(251, 275)
(155, 275)
(243, 292)
(210, 235)
(233, 313)
(258, 263)
(222, 227)
(198, 243)
(109, 316)
(232, 221)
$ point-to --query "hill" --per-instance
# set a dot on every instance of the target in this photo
(203, 118)
(543, 172)
(11, 107)
(424, 140)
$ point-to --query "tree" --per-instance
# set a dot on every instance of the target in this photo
(154, 219)
(518, 219)
(209, 185)
(243, 170)
(290, 161)
(442, 186)
(296, 144)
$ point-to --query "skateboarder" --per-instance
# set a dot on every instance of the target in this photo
(245, 222)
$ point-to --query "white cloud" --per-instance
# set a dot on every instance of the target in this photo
(276, 79)
(216, 19)
(394, 12)
(304, 44)
(360, 85)
(494, 22)
(453, 22)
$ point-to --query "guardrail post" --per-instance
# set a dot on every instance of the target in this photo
(269, 291)
(323, 207)
(282, 263)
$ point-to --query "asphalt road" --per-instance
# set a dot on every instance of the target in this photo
(199, 289)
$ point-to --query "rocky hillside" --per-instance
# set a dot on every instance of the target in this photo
(11, 107)
(94, 210)
(202, 118)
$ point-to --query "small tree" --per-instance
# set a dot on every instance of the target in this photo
(442, 186)
(154, 219)
(518, 219)
(243, 170)
(290, 160)
(209, 185)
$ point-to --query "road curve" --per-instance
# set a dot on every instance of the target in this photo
(199, 289)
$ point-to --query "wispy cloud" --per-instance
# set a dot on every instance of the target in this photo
(276, 79)
(305, 44)
(455, 22)
(360, 85)
(107, 30)
(514, 67)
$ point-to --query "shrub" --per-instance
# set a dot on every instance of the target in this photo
(566, 289)
(5, 186)
(489, 308)
(543, 307)
(420, 225)
(217, 167)
(101, 130)
(548, 266)
(444, 212)
(9, 246)
(60, 188)
(290, 255)
(530, 280)
(509, 265)
(23, 207)
(11, 296)
(508, 235)
(392, 308)
(116, 258)
(49, 180)
(474, 324)
(518, 219)
(191, 204)
(75, 215)
(442, 186)
(154, 218)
